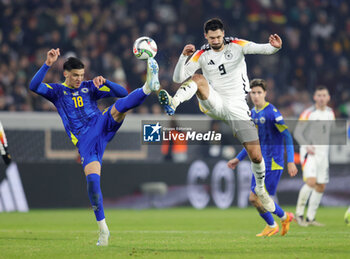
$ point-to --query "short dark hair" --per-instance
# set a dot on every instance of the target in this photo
(213, 25)
(321, 87)
(258, 82)
(73, 63)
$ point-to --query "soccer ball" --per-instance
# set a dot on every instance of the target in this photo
(144, 48)
(347, 217)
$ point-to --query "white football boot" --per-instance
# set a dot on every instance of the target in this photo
(167, 102)
(301, 221)
(265, 199)
(152, 75)
(103, 239)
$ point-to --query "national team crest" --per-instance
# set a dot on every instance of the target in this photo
(262, 120)
(84, 90)
(228, 54)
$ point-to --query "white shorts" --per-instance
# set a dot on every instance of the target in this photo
(237, 116)
(315, 166)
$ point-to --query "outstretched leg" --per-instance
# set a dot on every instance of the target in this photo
(136, 97)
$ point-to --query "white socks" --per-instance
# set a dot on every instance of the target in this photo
(314, 202)
(284, 217)
(102, 225)
(304, 195)
(259, 173)
(274, 225)
(146, 89)
(185, 92)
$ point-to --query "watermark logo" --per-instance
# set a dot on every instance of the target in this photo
(152, 132)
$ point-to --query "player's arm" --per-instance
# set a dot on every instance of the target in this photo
(184, 70)
(234, 162)
(274, 45)
(283, 129)
(108, 88)
(292, 169)
(36, 84)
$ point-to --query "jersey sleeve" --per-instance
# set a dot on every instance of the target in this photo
(49, 91)
(109, 89)
(243, 154)
(184, 70)
(278, 120)
(283, 129)
(249, 47)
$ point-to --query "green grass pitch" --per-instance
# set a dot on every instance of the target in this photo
(168, 233)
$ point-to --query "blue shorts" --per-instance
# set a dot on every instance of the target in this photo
(93, 143)
(271, 181)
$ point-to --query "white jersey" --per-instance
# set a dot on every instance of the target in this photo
(226, 71)
(314, 128)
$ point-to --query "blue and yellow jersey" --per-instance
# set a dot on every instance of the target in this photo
(76, 106)
(270, 125)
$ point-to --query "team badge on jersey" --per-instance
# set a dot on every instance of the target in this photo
(262, 120)
(84, 90)
(228, 54)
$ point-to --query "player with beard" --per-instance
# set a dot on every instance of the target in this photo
(222, 89)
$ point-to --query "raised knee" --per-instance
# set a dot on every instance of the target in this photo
(116, 115)
(199, 79)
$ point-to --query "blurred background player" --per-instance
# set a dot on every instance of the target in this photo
(89, 128)
(313, 129)
(174, 149)
(272, 133)
(3, 146)
(222, 89)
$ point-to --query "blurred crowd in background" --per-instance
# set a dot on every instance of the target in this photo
(315, 33)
